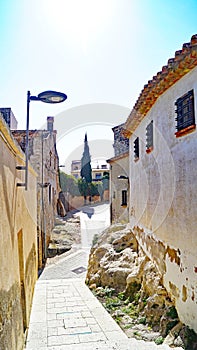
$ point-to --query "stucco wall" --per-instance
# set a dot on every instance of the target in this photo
(163, 198)
(18, 244)
(78, 201)
(119, 166)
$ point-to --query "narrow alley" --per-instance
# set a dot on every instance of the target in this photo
(65, 314)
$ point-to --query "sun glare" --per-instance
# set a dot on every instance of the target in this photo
(78, 21)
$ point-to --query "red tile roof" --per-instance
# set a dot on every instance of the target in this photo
(184, 61)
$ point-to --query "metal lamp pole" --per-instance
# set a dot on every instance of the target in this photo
(27, 141)
(47, 97)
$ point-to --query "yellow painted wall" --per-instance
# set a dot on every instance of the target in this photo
(18, 244)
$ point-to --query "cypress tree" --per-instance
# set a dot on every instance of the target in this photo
(86, 170)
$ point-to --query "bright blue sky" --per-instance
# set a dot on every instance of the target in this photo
(96, 51)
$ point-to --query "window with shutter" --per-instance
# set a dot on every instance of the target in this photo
(149, 137)
(185, 114)
(136, 149)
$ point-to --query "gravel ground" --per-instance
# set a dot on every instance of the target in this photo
(65, 237)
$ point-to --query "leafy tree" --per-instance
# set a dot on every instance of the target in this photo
(68, 183)
(94, 189)
(100, 189)
(105, 180)
(86, 170)
(87, 189)
(83, 187)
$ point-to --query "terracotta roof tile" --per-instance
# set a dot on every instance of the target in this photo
(184, 60)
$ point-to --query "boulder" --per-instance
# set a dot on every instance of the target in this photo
(114, 277)
(108, 268)
(127, 239)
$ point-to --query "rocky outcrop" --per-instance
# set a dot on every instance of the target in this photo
(116, 260)
(117, 263)
(111, 263)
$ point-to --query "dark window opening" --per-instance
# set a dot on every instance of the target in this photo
(136, 149)
(124, 198)
(149, 137)
(49, 193)
(50, 155)
(185, 113)
(98, 176)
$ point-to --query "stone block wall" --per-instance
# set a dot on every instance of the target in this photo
(44, 159)
(121, 143)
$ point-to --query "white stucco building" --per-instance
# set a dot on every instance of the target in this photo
(163, 168)
(119, 177)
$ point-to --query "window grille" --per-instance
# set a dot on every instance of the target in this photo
(124, 198)
(149, 137)
(136, 148)
(185, 113)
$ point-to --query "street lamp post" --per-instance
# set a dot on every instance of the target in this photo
(46, 97)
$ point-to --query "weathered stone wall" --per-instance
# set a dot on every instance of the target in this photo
(9, 117)
(163, 208)
(121, 143)
(44, 159)
(18, 244)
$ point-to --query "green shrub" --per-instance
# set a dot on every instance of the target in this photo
(159, 340)
(172, 313)
(112, 303)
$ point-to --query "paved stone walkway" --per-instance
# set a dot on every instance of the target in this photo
(64, 266)
(66, 315)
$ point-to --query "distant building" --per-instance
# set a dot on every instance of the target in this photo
(9, 117)
(98, 171)
(76, 169)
